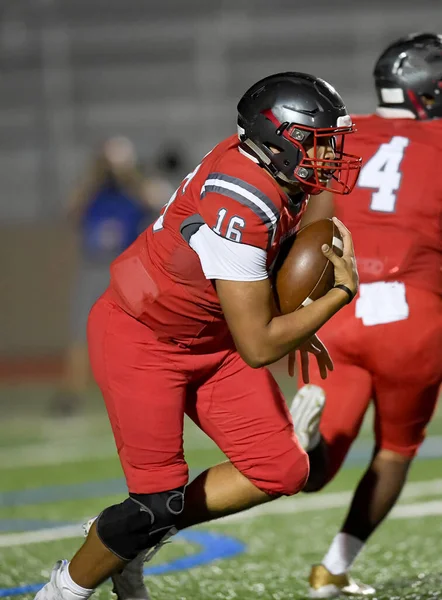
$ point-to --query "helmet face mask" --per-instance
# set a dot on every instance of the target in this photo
(408, 75)
(297, 130)
(323, 165)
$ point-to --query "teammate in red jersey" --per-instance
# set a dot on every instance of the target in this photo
(387, 345)
(188, 321)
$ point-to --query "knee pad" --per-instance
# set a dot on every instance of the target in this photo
(140, 522)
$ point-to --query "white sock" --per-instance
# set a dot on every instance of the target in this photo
(342, 553)
(70, 589)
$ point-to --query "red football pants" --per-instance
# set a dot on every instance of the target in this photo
(397, 365)
(149, 385)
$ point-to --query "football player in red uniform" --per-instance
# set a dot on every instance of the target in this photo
(188, 323)
(387, 345)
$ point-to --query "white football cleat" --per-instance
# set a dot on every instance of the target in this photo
(324, 584)
(53, 589)
(306, 411)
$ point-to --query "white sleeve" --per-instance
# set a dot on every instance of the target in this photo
(224, 259)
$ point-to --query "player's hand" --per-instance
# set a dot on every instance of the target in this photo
(311, 346)
(346, 272)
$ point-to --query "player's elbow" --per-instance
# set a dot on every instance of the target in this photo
(255, 357)
(255, 362)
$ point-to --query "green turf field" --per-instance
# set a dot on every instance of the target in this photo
(54, 474)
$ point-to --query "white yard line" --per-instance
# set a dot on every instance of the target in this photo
(64, 532)
(419, 509)
(283, 506)
(403, 511)
(310, 502)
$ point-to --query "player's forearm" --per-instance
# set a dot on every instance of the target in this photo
(287, 332)
(319, 207)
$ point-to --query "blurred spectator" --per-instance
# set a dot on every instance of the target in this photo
(108, 210)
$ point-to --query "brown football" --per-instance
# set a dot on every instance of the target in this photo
(305, 273)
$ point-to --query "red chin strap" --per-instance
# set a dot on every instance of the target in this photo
(417, 105)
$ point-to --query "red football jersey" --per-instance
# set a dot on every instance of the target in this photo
(227, 212)
(395, 211)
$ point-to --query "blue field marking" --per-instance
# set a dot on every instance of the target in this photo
(58, 493)
(214, 546)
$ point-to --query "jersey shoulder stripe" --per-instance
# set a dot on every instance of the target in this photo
(244, 193)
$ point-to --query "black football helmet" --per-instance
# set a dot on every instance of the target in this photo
(408, 75)
(294, 112)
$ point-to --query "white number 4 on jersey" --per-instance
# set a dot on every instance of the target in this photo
(382, 173)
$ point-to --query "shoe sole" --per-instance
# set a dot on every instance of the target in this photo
(326, 591)
(306, 410)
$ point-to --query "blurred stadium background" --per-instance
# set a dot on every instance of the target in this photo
(73, 72)
(166, 75)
